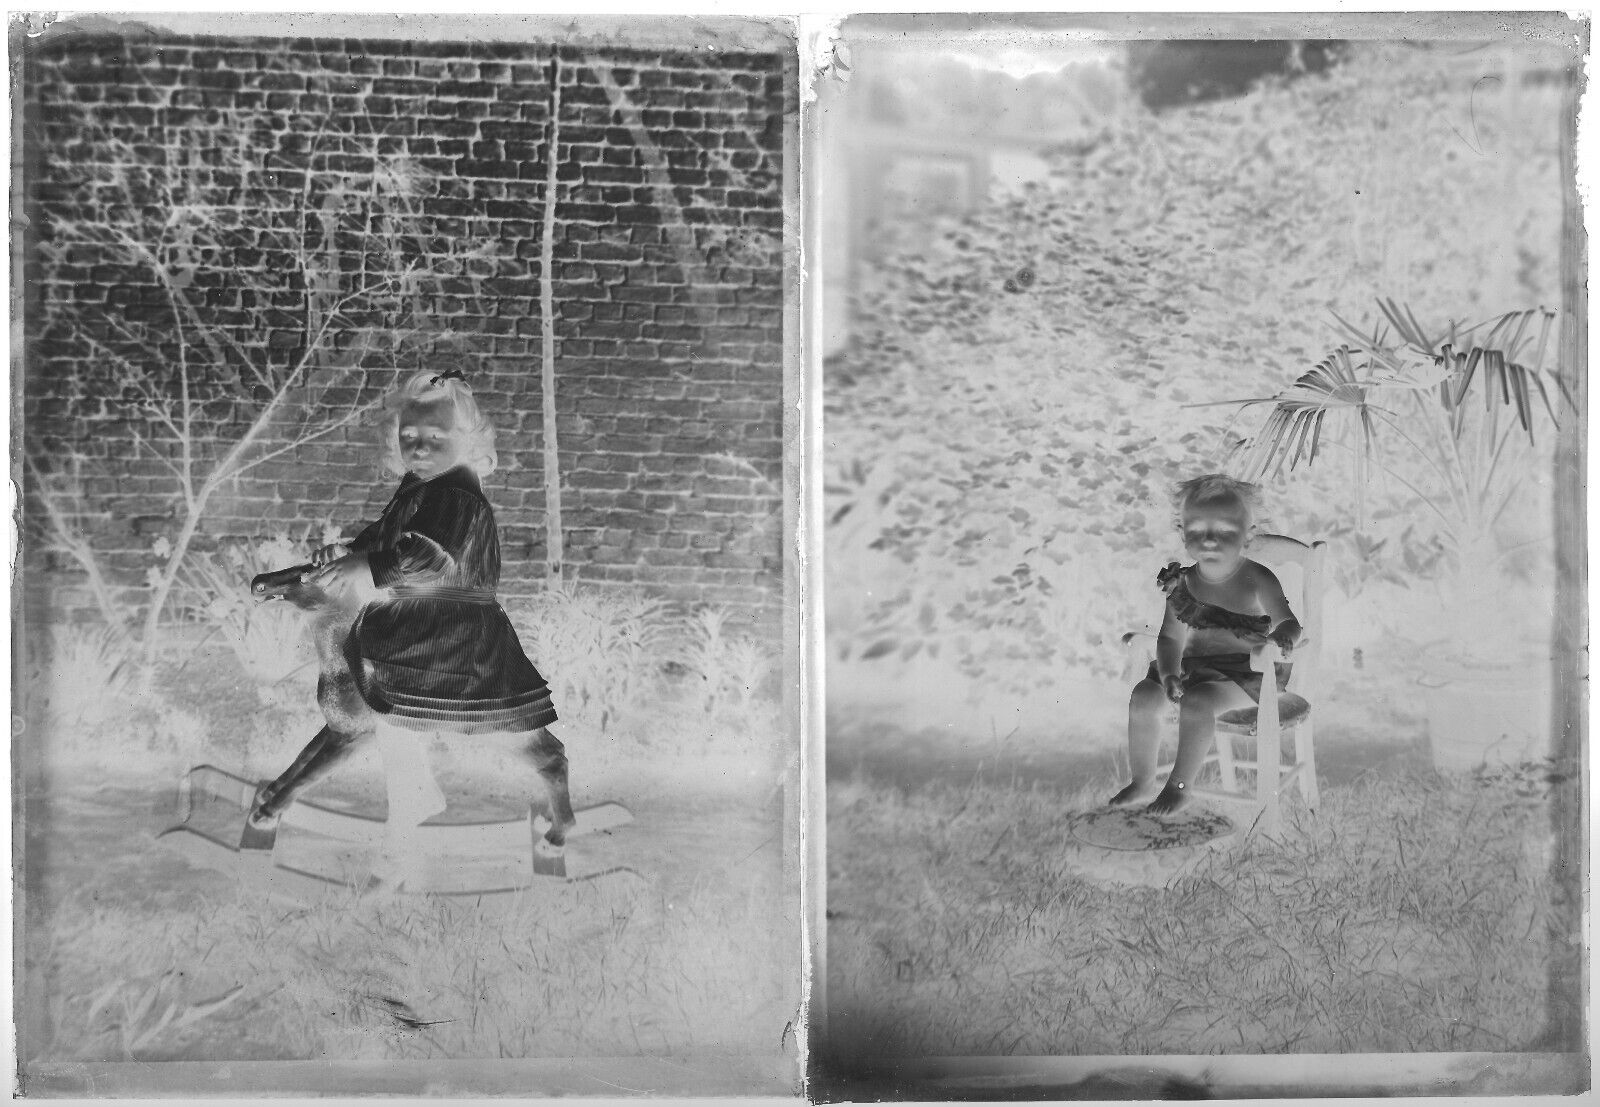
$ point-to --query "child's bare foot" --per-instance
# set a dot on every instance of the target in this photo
(1171, 800)
(1131, 794)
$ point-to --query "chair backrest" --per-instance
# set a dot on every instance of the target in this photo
(1299, 568)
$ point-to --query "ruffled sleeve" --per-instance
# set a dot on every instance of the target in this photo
(1204, 616)
(1168, 578)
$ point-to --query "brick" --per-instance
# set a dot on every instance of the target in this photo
(634, 308)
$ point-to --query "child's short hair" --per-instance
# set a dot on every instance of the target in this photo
(1214, 488)
(430, 386)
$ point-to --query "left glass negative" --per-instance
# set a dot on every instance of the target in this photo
(482, 329)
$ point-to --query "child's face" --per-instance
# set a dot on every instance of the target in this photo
(1214, 534)
(430, 442)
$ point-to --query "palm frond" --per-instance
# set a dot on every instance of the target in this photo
(1292, 430)
(1405, 324)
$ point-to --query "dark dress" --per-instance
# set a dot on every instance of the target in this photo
(439, 653)
(1199, 615)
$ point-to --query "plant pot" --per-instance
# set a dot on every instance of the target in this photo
(1486, 710)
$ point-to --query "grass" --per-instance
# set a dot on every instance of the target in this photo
(131, 955)
(585, 973)
(1407, 916)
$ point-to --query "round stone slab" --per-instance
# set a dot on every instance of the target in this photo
(1121, 845)
(1134, 829)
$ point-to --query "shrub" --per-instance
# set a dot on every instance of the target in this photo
(601, 649)
(728, 671)
(88, 678)
(1027, 381)
(269, 639)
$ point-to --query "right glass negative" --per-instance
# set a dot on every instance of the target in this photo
(1335, 264)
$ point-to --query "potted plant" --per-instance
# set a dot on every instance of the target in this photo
(1452, 416)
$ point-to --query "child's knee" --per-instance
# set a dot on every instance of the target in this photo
(1147, 698)
(1201, 704)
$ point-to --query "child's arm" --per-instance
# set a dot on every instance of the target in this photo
(348, 574)
(1285, 627)
(1169, 654)
(335, 550)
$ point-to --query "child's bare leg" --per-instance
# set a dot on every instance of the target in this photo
(1145, 708)
(413, 797)
(549, 757)
(1197, 729)
(413, 794)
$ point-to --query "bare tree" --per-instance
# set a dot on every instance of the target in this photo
(282, 255)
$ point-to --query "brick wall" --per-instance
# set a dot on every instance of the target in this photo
(668, 285)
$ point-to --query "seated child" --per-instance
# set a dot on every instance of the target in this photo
(1218, 609)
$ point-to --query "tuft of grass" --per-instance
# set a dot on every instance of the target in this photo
(726, 670)
(88, 680)
(1407, 915)
(140, 1012)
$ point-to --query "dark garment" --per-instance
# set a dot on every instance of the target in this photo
(441, 654)
(1203, 669)
(1174, 581)
(1199, 615)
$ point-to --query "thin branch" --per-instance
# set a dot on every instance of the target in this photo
(311, 436)
(183, 479)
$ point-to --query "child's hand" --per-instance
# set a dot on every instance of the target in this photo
(326, 554)
(349, 575)
(1173, 687)
(1287, 636)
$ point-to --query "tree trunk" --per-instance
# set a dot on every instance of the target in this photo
(547, 334)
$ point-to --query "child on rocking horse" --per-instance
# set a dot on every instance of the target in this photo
(430, 647)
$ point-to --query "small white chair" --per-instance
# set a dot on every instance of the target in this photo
(1299, 568)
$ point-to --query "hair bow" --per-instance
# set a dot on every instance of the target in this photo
(449, 375)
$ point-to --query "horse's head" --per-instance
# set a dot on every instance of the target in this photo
(289, 584)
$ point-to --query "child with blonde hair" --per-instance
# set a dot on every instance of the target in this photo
(1218, 609)
(430, 649)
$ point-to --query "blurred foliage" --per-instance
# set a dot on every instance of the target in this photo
(1168, 73)
(1016, 403)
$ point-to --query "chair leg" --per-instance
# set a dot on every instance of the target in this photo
(1305, 754)
(1269, 759)
(1225, 760)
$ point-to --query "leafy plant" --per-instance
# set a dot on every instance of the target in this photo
(730, 669)
(1408, 405)
(269, 639)
(89, 678)
(1017, 396)
(601, 648)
